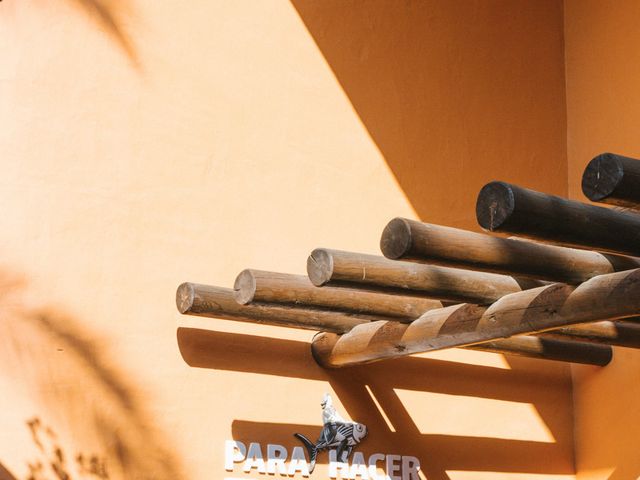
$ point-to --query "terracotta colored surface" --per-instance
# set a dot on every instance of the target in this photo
(147, 143)
(603, 101)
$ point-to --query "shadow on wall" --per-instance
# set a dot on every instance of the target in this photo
(5, 474)
(454, 94)
(91, 421)
(358, 386)
(107, 14)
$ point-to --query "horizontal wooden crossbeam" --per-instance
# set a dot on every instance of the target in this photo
(610, 296)
(216, 302)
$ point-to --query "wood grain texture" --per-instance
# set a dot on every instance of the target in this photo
(619, 334)
(556, 348)
(337, 267)
(605, 297)
(613, 179)
(437, 245)
(506, 208)
(217, 302)
(257, 286)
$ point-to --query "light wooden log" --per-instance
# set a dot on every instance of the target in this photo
(506, 208)
(605, 297)
(336, 267)
(613, 179)
(257, 286)
(434, 244)
(271, 288)
(216, 302)
(620, 333)
(550, 349)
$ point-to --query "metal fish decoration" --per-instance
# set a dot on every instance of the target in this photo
(336, 433)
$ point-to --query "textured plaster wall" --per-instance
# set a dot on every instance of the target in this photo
(603, 107)
(147, 143)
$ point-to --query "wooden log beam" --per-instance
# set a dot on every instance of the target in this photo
(619, 334)
(506, 208)
(550, 349)
(434, 244)
(216, 302)
(257, 286)
(605, 297)
(336, 267)
(613, 179)
(270, 288)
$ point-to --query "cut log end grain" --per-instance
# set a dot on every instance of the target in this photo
(396, 240)
(602, 176)
(320, 267)
(495, 205)
(185, 295)
(244, 288)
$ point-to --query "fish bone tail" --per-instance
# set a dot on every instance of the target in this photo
(311, 448)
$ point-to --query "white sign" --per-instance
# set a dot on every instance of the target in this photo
(275, 459)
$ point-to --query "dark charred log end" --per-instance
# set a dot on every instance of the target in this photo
(602, 176)
(495, 205)
(396, 240)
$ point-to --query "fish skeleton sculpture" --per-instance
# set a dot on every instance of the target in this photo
(336, 433)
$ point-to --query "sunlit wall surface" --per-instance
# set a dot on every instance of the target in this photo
(146, 143)
(602, 50)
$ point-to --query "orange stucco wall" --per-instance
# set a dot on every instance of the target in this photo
(148, 143)
(603, 110)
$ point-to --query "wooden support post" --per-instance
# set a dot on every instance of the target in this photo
(216, 302)
(506, 208)
(551, 349)
(342, 268)
(605, 297)
(620, 334)
(411, 240)
(613, 179)
(256, 286)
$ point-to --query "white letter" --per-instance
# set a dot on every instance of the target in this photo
(231, 455)
(393, 467)
(358, 467)
(298, 462)
(276, 455)
(254, 459)
(410, 468)
(334, 465)
(373, 467)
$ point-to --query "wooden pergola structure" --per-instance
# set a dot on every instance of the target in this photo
(566, 287)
